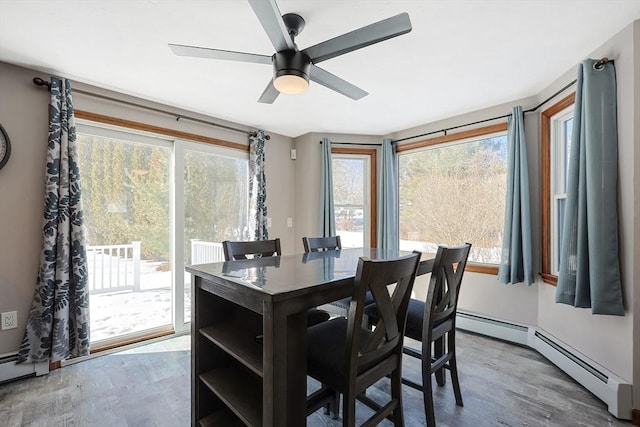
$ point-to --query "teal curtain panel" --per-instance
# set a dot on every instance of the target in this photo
(515, 262)
(589, 264)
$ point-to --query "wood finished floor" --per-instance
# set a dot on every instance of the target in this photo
(502, 385)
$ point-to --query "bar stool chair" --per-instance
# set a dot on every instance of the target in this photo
(347, 358)
(433, 322)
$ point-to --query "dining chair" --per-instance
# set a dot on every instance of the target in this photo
(347, 358)
(433, 322)
(257, 248)
(315, 244)
(235, 250)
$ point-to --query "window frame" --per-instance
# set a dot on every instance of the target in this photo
(547, 118)
(484, 131)
(373, 185)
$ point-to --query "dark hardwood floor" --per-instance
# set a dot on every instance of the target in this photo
(502, 385)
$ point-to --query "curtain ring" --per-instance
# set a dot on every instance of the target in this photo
(599, 65)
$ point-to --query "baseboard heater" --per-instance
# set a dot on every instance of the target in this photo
(10, 370)
(606, 386)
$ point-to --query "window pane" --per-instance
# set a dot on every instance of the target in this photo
(216, 200)
(126, 195)
(348, 181)
(454, 194)
(559, 224)
(568, 129)
(350, 175)
(350, 227)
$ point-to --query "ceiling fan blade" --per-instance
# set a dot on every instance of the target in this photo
(334, 82)
(269, 16)
(229, 55)
(362, 37)
(269, 95)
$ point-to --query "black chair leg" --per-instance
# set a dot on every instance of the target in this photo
(453, 367)
(438, 350)
(396, 394)
(427, 395)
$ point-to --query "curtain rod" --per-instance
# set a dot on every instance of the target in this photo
(40, 82)
(354, 143)
(598, 65)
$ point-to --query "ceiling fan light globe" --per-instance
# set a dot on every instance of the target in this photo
(291, 84)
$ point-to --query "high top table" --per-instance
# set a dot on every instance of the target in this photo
(248, 334)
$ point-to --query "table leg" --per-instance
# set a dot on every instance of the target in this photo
(284, 367)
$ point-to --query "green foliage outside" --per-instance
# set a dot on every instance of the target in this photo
(125, 192)
(216, 199)
(126, 195)
(455, 194)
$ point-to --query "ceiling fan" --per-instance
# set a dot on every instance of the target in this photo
(293, 68)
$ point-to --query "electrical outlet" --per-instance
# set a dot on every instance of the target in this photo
(9, 320)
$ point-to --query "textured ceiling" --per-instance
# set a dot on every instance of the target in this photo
(461, 55)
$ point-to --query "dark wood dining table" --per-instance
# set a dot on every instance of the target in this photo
(248, 361)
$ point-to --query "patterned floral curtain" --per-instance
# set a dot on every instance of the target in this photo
(58, 324)
(257, 189)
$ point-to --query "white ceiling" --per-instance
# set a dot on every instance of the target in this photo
(461, 55)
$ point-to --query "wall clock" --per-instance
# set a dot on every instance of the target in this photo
(5, 147)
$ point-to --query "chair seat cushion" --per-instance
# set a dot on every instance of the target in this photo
(326, 347)
(415, 318)
(315, 316)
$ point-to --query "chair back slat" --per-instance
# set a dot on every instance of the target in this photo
(256, 249)
(365, 348)
(319, 244)
(444, 286)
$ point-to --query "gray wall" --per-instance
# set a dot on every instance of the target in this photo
(23, 113)
(293, 188)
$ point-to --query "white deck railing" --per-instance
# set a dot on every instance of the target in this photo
(206, 252)
(114, 267)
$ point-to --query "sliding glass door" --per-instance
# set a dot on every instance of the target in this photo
(126, 189)
(215, 204)
(153, 205)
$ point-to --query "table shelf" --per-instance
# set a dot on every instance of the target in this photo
(238, 341)
(240, 391)
(223, 417)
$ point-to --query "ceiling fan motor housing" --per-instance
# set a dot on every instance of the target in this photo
(291, 62)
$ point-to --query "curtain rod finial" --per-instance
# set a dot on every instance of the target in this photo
(40, 82)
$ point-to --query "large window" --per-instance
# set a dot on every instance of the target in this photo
(153, 203)
(557, 126)
(354, 195)
(452, 190)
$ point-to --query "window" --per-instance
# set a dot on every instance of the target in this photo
(354, 194)
(452, 190)
(557, 126)
(153, 203)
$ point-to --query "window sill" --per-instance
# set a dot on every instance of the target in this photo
(549, 278)
(482, 268)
